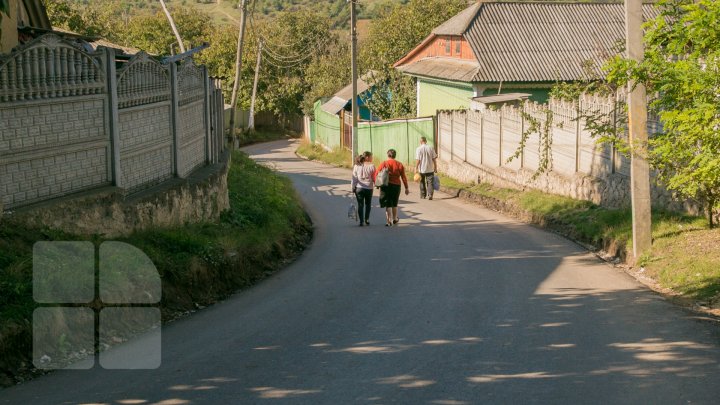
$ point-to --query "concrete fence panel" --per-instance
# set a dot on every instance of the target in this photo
(53, 117)
(145, 130)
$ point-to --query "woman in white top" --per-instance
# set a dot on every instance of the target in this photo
(362, 185)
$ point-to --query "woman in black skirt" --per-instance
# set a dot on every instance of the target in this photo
(390, 194)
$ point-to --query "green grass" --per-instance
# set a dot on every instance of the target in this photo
(199, 263)
(338, 157)
(685, 256)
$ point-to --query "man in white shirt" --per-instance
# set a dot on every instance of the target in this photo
(426, 166)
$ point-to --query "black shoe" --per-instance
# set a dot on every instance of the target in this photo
(361, 224)
(430, 198)
(367, 223)
(395, 221)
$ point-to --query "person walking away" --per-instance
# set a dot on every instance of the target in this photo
(426, 166)
(390, 194)
(363, 180)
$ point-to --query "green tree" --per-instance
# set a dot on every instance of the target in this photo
(327, 74)
(153, 34)
(292, 41)
(389, 39)
(682, 70)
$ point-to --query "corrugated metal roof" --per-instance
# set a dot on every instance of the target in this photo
(458, 24)
(545, 41)
(444, 68)
(340, 99)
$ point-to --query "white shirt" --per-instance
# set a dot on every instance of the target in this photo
(363, 175)
(425, 154)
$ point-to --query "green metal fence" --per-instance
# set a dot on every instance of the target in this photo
(326, 128)
(403, 135)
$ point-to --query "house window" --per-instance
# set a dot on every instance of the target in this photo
(448, 46)
(458, 47)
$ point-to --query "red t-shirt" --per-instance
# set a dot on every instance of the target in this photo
(396, 172)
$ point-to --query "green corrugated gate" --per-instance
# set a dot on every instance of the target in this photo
(375, 136)
(401, 135)
(326, 128)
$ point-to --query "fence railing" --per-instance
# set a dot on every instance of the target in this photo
(73, 120)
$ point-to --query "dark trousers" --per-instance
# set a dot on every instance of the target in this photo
(426, 184)
(364, 199)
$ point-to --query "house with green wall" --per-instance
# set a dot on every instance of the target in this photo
(497, 48)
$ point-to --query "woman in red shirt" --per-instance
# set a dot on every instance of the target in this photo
(390, 194)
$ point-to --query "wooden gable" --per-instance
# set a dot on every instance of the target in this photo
(448, 46)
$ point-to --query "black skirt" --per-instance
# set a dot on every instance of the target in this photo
(389, 195)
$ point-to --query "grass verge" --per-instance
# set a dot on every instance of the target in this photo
(261, 135)
(199, 263)
(685, 258)
(339, 156)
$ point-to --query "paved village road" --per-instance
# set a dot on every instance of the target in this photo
(457, 305)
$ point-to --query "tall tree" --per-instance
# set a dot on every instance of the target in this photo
(682, 69)
(173, 26)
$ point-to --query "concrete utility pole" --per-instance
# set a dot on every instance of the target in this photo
(353, 38)
(172, 25)
(637, 124)
(251, 120)
(238, 67)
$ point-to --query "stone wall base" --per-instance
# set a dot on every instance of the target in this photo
(611, 191)
(110, 213)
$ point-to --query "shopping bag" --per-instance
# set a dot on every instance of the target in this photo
(436, 183)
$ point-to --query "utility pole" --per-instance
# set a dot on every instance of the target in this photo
(238, 67)
(353, 38)
(637, 125)
(251, 120)
(172, 25)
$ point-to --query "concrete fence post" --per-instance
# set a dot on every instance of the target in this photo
(500, 145)
(482, 139)
(113, 117)
(578, 138)
(175, 118)
(208, 106)
(467, 132)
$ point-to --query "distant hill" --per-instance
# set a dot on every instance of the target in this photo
(226, 11)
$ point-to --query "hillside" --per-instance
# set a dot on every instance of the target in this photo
(226, 11)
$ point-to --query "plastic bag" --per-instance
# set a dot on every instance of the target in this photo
(436, 183)
(352, 211)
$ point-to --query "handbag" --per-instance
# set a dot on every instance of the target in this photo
(436, 183)
(383, 178)
(417, 177)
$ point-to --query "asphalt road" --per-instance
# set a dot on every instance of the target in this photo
(456, 305)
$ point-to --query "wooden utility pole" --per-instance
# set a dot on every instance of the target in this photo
(238, 67)
(353, 45)
(637, 125)
(251, 120)
(173, 26)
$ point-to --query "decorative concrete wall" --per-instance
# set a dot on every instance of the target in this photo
(476, 146)
(73, 120)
